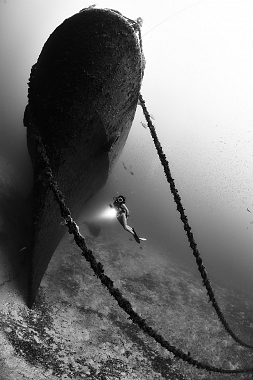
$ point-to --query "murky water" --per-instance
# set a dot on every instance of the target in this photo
(210, 155)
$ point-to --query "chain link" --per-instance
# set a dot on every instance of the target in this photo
(47, 175)
(187, 228)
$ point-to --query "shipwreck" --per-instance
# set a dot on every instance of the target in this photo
(82, 98)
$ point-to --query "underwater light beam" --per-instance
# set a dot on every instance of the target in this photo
(108, 213)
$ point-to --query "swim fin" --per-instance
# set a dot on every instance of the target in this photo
(136, 237)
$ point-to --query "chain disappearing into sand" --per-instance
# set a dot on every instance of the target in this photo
(46, 176)
(187, 228)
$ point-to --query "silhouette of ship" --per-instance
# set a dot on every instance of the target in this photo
(82, 98)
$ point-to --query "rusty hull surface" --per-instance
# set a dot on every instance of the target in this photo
(83, 93)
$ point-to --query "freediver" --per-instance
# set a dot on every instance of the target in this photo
(123, 214)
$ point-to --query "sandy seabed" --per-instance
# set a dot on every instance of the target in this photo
(76, 330)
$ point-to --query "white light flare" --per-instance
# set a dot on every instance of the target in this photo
(108, 213)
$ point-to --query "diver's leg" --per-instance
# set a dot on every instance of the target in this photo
(130, 229)
(123, 221)
(136, 237)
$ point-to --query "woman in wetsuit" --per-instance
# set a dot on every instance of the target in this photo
(123, 214)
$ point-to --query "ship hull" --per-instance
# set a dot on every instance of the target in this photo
(83, 93)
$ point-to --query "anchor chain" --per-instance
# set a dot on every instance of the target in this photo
(187, 228)
(47, 177)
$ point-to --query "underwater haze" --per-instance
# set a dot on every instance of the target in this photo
(198, 87)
